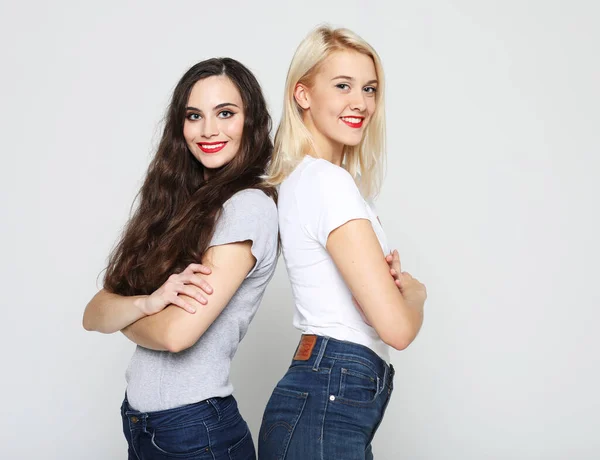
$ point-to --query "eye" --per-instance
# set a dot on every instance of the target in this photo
(226, 114)
(370, 89)
(342, 86)
(193, 116)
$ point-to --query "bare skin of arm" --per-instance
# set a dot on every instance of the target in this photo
(108, 312)
(173, 329)
(396, 314)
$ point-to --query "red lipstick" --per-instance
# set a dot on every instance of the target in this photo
(353, 123)
(211, 147)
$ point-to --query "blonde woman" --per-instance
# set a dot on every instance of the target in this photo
(328, 161)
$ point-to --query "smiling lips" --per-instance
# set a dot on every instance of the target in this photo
(353, 122)
(211, 147)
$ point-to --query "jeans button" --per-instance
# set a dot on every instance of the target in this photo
(134, 419)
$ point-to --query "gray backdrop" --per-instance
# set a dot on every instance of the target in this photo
(491, 198)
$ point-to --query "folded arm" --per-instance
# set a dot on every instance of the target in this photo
(108, 312)
(173, 329)
(367, 274)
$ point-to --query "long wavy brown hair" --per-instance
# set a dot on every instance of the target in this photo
(177, 207)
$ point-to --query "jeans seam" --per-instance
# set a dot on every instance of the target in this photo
(132, 440)
(215, 406)
(321, 353)
(327, 394)
(289, 438)
(349, 358)
(385, 375)
(383, 409)
(240, 443)
(209, 441)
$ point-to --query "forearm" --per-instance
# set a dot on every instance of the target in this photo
(108, 312)
(174, 329)
(147, 333)
(413, 314)
(164, 330)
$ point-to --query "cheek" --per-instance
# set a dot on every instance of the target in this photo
(235, 129)
(371, 106)
(189, 132)
(326, 113)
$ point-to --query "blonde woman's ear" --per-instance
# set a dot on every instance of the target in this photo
(301, 96)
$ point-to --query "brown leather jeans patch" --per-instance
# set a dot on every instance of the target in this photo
(305, 348)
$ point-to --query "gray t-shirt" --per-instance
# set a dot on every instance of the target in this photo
(159, 380)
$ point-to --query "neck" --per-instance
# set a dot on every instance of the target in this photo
(326, 148)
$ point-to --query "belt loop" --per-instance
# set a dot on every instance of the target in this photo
(321, 353)
(385, 377)
(144, 418)
(215, 406)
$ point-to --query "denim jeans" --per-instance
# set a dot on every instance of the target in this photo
(208, 430)
(327, 407)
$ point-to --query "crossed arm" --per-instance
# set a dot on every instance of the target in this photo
(392, 305)
(173, 328)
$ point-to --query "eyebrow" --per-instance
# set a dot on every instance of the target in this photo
(346, 77)
(217, 107)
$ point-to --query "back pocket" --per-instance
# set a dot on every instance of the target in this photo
(279, 420)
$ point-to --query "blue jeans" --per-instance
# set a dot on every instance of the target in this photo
(208, 430)
(328, 405)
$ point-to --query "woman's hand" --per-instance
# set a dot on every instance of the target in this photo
(413, 291)
(188, 283)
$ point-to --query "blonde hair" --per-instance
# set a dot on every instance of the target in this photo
(365, 162)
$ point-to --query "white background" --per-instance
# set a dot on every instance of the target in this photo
(491, 197)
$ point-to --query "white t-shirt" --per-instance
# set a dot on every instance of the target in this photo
(315, 199)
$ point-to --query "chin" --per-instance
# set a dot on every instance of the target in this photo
(352, 141)
(216, 165)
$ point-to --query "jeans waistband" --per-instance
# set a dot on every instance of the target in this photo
(208, 409)
(312, 349)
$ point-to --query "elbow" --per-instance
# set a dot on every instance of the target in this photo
(87, 323)
(404, 331)
(400, 338)
(174, 346)
(398, 341)
(176, 342)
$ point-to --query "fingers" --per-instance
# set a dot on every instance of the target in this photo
(199, 282)
(396, 260)
(178, 301)
(393, 260)
(193, 292)
(195, 280)
(197, 268)
(403, 280)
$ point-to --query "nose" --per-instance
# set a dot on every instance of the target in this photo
(358, 102)
(209, 127)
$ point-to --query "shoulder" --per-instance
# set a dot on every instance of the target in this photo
(251, 206)
(325, 175)
(251, 197)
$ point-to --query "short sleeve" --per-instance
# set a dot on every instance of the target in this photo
(328, 199)
(249, 215)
